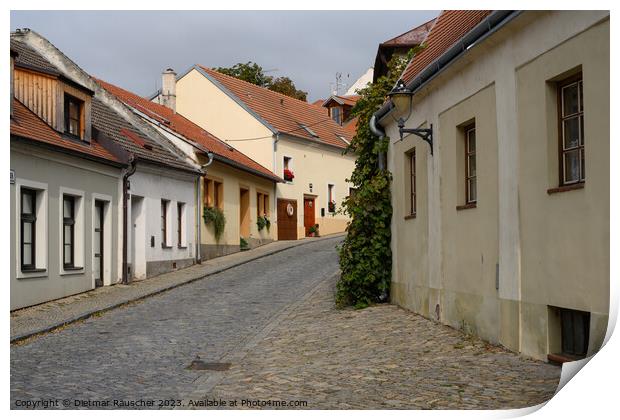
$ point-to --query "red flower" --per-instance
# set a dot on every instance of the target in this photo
(288, 175)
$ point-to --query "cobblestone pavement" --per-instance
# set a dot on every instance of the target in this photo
(382, 357)
(52, 314)
(141, 351)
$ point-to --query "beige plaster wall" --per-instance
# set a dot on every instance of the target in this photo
(206, 105)
(502, 82)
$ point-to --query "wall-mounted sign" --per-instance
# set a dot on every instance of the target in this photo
(12, 176)
(289, 209)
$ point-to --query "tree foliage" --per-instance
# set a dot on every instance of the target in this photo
(366, 255)
(253, 73)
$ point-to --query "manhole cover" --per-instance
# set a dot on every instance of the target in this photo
(199, 364)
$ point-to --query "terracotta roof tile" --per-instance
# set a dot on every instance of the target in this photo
(287, 115)
(181, 125)
(27, 124)
(451, 25)
(412, 37)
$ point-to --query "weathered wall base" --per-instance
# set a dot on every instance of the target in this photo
(155, 268)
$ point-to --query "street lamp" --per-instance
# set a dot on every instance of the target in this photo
(402, 99)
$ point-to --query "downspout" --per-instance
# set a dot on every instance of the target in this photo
(274, 204)
(130, 172)
(377, 131)
(199, 207)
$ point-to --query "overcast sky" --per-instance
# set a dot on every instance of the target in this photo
(131, 48)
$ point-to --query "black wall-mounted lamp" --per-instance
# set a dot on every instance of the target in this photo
(402, 99)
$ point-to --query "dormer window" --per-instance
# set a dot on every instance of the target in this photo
(335, 114)
(74, 108)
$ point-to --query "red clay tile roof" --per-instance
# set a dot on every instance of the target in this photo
(318, 102)
(27, 124)
(351, 126)
(285, 114)
(349, 100)
(186, 128)
(412, 37)
(451, 25)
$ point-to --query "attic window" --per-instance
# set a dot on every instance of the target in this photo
(74, 109)
(136, 139)
(309, 131)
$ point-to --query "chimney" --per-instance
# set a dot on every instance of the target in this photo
(169, 89)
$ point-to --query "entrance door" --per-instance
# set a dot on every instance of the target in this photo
(98, 243)
(244, 213)
(309, 215)
(287, 219)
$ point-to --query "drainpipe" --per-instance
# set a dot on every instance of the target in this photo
(130, 172)
(378, 131)
(198, 207)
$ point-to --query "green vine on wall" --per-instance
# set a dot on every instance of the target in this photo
(365, 255)
(215, 216)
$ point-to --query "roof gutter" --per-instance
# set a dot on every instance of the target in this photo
(479, 33)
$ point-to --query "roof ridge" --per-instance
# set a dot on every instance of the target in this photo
(252, 84)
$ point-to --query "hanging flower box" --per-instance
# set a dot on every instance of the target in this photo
(331, 206)
(288, 175)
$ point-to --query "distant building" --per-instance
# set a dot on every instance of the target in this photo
(399, 46)
(295, 140)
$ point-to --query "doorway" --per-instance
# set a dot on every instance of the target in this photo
(138, 239)
(287, 219)
(98, 248)
(309, 214)
(244, 213)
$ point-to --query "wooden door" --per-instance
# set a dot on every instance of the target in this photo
(287, 219)
(309, 215)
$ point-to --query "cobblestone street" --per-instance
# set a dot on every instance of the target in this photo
(274, 320)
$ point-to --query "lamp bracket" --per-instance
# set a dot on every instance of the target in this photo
(425, 134)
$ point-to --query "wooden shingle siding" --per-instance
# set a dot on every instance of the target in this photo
(38, 92)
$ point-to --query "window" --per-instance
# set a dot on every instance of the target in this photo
(164, 223)
(411, 183)
(470, 164)
(73, 116)
(180, 216)
(575, 326)
(288, 174)
(214, 193)
(335, 114)
(28, 229)
(262, 204)
(68, 231)
(331, 202)
(570, 112)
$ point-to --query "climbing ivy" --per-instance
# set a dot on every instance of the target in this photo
(365, 255)
(216, 216)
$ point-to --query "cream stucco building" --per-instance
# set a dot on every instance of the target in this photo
(282, 134)
(504, 230)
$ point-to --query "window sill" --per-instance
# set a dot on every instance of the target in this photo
(166, 246)
(410, 216)
(33, 270)
(68, 271)
(466, 206)
(565, 188)
(560, 358)
(181, 247)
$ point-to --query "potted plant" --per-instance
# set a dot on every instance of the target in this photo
(243, 244)
(331, 206)
(263, 222)
(288, 175)
(313, 230)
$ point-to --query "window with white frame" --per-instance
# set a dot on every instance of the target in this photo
(32, 228)
(165, 224)
(331, 199)
(71, 222)
(181, 228)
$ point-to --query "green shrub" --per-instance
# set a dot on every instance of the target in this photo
(243, 244)
(215, 216)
